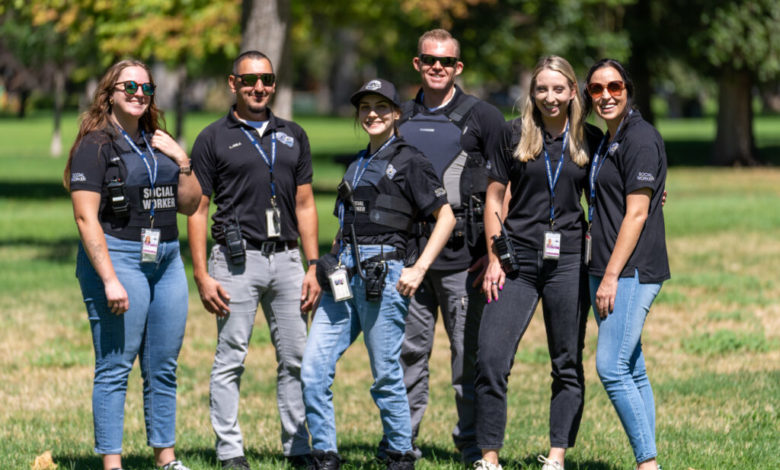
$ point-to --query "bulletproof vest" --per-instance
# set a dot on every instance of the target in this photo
(130, 168)
(379, 204)
(438, 136)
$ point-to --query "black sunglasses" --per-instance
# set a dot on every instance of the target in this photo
(429, 60)
(250, 79)
(131, 87)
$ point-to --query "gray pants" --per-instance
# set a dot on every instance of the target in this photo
(461, 307)
(273, 281)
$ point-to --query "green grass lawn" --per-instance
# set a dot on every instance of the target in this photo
(712, 340)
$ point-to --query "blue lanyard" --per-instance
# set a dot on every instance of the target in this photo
(152, 174)
(595, 169)
(270, 162)
(359, 172)
(553, 180)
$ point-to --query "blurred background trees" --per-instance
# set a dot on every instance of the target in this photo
(687, 57)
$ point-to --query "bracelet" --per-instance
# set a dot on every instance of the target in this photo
(313, 262)
(186, 169)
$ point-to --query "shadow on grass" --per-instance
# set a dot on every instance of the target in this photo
(697, 153)
(21, 189)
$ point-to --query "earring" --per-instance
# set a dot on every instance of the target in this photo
(111, 101)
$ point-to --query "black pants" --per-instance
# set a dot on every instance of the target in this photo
(562, 286)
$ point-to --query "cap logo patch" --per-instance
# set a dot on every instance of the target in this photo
(373, 85)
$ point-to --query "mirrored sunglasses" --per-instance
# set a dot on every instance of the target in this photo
(131, 87)
(250, 79)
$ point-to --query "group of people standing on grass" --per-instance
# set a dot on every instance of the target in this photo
(448, 209)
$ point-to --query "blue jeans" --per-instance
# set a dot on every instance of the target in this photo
(152, 330)
(621, 364)
(335, 327)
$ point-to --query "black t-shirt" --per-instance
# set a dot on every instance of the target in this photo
(529, 207)
(229, 166)
(481, 135)
(635, 159)
(405, 173)
(103, 156)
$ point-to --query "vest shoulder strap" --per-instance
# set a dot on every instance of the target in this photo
(460, 111)
(407, 110)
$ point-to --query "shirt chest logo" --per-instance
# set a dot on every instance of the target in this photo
(234, 145)
(285, 139)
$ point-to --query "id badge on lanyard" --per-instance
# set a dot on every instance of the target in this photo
(552, 245)
(150, 242)
(273, 220)
(339, 283)
(552, 238)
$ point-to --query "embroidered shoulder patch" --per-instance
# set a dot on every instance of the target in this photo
(285, 139)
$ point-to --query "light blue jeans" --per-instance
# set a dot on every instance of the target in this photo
(621, 364)
(335, 327)
(152, 330)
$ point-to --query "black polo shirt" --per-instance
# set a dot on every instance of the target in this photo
(529, 207)
(635, 159)
(230, 167)
(407, 174)
(481, 135)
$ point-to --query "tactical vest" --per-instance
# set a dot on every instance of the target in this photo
(463, 174)
(379, 204)
(130, 168)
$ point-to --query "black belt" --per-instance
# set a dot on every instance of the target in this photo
(268, 247)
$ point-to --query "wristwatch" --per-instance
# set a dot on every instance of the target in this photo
(313, 262)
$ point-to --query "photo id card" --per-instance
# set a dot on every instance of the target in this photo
(150, 241)
(552, 245)
(588, 247)
(339, 284)
(273, 222)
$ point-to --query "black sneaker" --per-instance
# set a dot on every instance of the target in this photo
(236, 463)
(321, 460)
(299, 461)
(400, 461)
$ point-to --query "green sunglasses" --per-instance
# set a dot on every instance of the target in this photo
(131, 87)
(250, 79)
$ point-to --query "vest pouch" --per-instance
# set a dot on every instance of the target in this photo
(325, 265)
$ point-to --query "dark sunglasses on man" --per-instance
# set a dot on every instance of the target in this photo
(250, 79)
(131, 87)
(429, 60)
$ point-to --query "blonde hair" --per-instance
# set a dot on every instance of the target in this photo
(532, 136)
(438, 35)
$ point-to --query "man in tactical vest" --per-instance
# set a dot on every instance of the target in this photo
(258, 168)
(458, 133)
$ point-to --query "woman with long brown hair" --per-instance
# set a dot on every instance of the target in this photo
(127, 179)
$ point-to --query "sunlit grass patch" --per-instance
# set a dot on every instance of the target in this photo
(728, 342)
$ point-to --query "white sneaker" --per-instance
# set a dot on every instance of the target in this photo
(549, 464)
(174, 465)
(482, 464)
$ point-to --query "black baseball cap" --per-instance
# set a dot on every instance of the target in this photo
(377, 86)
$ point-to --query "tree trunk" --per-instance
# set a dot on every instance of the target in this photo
(734, 143)
(642, 48)
(343, 78)
(266, 25)
(55, 150)
(181, 87)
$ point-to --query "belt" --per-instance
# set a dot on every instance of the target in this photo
(274, 246)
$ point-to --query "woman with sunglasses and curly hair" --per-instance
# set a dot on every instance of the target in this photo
(127, 179)
(629, 261)
(546, 160)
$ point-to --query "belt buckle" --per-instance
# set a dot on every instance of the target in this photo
(267, 248)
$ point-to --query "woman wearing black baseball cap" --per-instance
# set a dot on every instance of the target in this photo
(388, 187)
